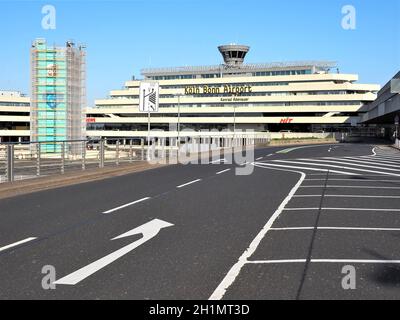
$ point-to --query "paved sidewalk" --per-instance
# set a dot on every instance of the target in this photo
(49, 182)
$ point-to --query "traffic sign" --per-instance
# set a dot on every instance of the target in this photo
(149, 97)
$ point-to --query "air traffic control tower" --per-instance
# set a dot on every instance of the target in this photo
(233, 54)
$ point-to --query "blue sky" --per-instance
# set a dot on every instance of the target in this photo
(123, 37)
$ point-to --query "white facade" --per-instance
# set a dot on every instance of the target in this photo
(14, 116)
(297, 96)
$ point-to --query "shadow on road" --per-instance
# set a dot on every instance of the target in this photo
(387, 275)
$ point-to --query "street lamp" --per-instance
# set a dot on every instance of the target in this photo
(234, 119)
(179, 95)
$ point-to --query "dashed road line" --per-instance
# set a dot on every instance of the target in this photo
(223, 171)
(126, 205)
(188, 183)
(15, 244)
(218, 161)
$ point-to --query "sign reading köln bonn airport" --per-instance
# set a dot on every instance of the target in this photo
(149, 97)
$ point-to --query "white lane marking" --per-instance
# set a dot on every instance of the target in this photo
(302, 147)
(352, 187)
(336, 228)
(373, 158)
(339, 174)
(344, 196)
(340, 167)
(344, 261)
(233, 273)
(277, 261)
(381, 163)
(351, 163)
(188, 184)
(397, 156)
(223, 171)
(258, 159)
(358, 261)
(394, 154)
(266, 165)
(355, 180)
(149, 231)
(348, 163)
(270, 155)
(342, 209)
(15, 244)
(387, 156)
(383, 160)
(126, 205)
(218, 161)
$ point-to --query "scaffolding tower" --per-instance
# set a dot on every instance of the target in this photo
(58, 77)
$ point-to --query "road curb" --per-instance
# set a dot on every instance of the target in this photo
(22, 187)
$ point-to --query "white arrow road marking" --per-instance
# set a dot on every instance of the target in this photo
(149, 231)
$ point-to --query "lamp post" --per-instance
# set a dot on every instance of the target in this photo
(234, 119)
(179, 95)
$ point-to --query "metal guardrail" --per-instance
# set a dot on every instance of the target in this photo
(30, 160)
(20, 161)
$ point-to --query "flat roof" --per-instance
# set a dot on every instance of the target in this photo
(272, 66)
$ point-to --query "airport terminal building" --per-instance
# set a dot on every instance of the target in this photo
(14, 116)
(297, 96)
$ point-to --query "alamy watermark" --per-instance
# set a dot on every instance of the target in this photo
(49, 18)
(205, 147)
(49, 278)
(349, 281)
(349, 20)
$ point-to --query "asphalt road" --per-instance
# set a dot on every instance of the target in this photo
(283, 232)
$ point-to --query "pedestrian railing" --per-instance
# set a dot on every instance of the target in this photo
(20, 161)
